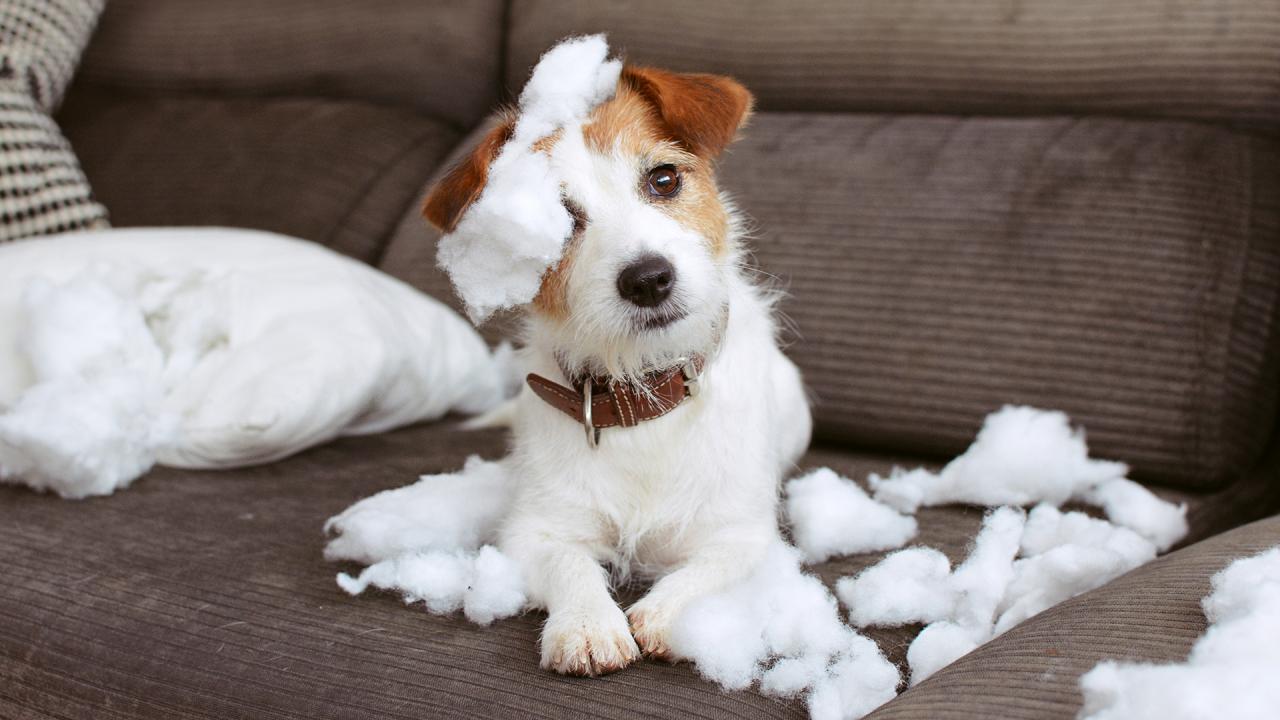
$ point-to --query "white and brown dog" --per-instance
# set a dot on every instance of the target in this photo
(662, 414)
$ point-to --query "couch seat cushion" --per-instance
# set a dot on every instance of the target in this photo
(1032, 672)
(204, 595)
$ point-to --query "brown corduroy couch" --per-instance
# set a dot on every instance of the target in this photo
(1074, 205)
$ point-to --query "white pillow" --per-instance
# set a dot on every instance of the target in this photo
(211, 348)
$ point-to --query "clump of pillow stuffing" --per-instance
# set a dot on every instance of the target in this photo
(1024, 456)
(1231, 671)
(517, 228)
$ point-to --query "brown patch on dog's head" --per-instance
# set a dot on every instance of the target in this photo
(683, 120)
(464, 182)
(701, 112)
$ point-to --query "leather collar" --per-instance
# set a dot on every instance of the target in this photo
(600, 403)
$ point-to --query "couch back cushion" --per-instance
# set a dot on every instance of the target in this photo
(936, 268)
(441, 57)
(1102, 257)
(1125, 272)
(1155, 58)
(337, 172)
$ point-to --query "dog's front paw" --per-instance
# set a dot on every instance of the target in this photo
(651, 623)
(588, 643)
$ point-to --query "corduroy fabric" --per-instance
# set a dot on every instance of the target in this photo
(1149, 58)
(336, 172)
(1124, 272)
(204, 595)
(1032, 672)
(440, 57)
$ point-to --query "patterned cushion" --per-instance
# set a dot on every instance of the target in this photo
(42, 189)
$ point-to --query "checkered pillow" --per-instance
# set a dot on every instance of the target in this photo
(42, 188)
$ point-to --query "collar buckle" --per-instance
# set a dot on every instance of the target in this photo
(692, 376)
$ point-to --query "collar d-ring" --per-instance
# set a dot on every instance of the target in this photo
(593, 433)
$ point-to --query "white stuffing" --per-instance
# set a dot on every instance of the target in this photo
(1231, 670)
(454, 511)
(859, 681)
(938, 645)
(830, 515)
(1063, 555)
(1129, 504)
(428, 541)
(980, 580)
(94, 419)
(486, 585)
(1024, 456)
(517, 228)
(1016, 569)
(977, 586)
(211, 348)
(909, 586)
(780, 630)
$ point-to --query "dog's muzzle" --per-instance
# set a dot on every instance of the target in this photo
(600, 403)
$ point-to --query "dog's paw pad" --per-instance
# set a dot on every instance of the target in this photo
(586, 644)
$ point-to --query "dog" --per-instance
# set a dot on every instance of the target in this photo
(661, 412)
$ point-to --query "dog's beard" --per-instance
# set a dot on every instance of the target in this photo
(626, 352)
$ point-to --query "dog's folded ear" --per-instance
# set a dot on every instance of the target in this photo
(702, 112)
(464, 182)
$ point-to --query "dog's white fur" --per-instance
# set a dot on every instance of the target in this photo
(689, 498)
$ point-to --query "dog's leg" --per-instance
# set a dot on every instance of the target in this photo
(725, 557)
(586, 632)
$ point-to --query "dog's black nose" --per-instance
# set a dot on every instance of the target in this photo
(647, 281)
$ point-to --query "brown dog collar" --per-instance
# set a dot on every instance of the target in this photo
(598, 403)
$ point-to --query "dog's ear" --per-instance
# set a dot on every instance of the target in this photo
(702, 112)
(464, 182)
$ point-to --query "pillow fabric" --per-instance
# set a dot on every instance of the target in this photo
(42, 188)
(212, 348)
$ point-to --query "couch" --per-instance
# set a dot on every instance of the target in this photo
(1073, 205)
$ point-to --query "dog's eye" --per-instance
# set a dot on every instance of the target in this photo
(664, 181)
(578, 214)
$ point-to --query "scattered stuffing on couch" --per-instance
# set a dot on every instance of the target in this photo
(212, 348)
(507, 239)
(1024, 456)
(832, 516)
(1231, 671)
(781, 630)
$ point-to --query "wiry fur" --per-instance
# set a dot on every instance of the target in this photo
(689, 498)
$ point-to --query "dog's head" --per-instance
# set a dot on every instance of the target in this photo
(644, 279)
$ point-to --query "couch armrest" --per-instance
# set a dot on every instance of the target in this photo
(1033, 671)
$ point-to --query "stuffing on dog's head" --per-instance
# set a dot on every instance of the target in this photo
(643, 279)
